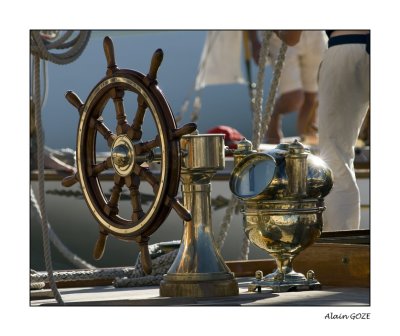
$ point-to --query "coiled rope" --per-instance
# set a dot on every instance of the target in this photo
(75, 45)
(121, 276)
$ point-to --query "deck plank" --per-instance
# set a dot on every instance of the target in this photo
(149, 296)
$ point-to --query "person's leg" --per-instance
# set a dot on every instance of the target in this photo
(285, 103)
(306, 121)
(343, 103)
(310, 55)
(290, 95)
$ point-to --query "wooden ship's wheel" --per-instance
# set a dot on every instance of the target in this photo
(129, 156)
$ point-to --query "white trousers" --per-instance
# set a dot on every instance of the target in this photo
(344, 83)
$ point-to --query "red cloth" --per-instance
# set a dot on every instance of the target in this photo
(232, 135)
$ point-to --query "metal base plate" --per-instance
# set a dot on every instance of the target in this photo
(284, 286)
(204, 288)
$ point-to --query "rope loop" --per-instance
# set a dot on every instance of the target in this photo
(42, 43)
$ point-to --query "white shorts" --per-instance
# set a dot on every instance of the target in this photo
(302, 61)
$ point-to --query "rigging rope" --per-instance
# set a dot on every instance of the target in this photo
(260, 86)
(121, 276)
(40, 164)
(76, 45)
(269, 106)
(260, 124)
(40, 50)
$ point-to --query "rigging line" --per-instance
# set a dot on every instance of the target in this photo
(260, 87)
(78, 44)
(40, 164)
(60, 42)
(269, 106)
(45, 84)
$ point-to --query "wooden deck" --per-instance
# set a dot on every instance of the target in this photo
(342, 269)
(149, 296)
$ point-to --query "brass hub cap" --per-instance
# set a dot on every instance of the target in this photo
(123, 155)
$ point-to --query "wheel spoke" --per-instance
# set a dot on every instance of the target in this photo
(103, 130)
(111, 208)
(135, 133)
(147, 176)
(118, 99)
(100, 167)
(147, 146)
(133, 182)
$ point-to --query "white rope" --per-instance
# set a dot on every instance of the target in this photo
(261, 122)
(40, 164)
(245, 250)
(121, 276)
(272, 93)
(76, 46)
(260, 87)
(75, 275)
(40, 50)
(160, 266)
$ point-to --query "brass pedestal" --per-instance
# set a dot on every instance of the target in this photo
(199, 269)
(201, 285)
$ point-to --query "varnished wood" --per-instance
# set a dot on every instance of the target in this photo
(145, 147)
(74, 100)
(137, 211)
(154, 65)
(69, 181)
(104, 131)
(110, 55)
(145, 255)
(135, 132)
(184, 130)
(149, 97)
(100, 167)
(100, 245)
(122, 124)
(181, 211)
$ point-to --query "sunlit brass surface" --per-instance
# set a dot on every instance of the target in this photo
(272, 175)
(282, 192)
(244, 148)
(123, 155)
(199, 269)
(284, 229)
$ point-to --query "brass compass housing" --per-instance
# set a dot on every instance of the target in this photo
(282, 194)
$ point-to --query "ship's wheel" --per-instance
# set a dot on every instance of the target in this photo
(130, 153)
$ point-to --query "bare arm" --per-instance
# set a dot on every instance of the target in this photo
(290, 37)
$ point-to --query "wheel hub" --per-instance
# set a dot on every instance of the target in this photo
(123, 155)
